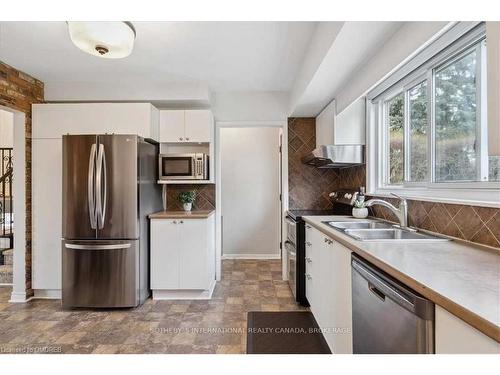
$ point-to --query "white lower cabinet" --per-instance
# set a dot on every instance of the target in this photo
(182, 258)
(454, 336)
(328, 288)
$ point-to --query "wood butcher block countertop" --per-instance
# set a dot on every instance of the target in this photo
(174, 214)
(463, 279)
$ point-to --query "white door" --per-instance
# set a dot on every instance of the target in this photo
(165, 247)
(193, 254)
(172, 126)
(198, 125)
(250, 184)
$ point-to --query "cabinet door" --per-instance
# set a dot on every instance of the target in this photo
(454, 336)
(165, 247)
(47, 213)
(341, 302)
(199, 126)
(172, 127)
(325, 125)
(313, 247)
(193, 252)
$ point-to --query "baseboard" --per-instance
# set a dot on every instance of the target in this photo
(47, 294)
(252, 256)
(170, 294)
(18, 297)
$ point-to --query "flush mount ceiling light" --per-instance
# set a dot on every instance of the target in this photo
(111, 40)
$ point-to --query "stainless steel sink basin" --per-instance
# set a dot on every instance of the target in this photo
(377, 231)
(358, 225)
(390, 234)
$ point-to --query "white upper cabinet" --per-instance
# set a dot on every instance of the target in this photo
(350, 124)
(346, 128)
(199, 126)
(54, 120)
(195, 125)
(325, 123)
(172, 126)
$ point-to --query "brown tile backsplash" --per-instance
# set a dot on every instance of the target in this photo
(308, 187)
(470, 223)
(205, 196)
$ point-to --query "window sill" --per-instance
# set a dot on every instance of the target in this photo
(473, 197)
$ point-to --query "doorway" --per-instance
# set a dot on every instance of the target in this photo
(250, 186)
(6, 197)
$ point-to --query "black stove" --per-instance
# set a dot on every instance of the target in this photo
(296, 237)
(297, 214)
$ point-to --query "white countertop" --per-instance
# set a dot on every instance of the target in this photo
(463, 279)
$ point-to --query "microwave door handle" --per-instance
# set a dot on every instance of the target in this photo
(91, 187)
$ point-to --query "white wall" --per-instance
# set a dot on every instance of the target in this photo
(160, 93)
(250, 192)
(250, 106)
(402, 45)
(6, 129)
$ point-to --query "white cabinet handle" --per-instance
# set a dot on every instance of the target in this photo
(308, 276)
(308, 260)
(308, 243)
(182, 222)
(308, 226)
(187, 139)
(180, 139)
(174, 222)
(328, 241)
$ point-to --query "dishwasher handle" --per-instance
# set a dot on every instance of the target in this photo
(383, 287)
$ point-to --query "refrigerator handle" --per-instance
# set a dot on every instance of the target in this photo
(91, 187)
(105, 187)
(99, 187)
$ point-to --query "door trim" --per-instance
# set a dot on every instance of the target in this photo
(284, 181)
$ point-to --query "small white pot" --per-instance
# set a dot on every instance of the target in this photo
(187, 206)
(360, 213)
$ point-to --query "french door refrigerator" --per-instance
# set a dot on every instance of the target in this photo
(109, 188)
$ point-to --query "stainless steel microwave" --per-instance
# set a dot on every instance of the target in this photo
(183, 167)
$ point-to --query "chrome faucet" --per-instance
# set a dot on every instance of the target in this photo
(401, 212)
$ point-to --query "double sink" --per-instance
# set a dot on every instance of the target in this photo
(374, 230)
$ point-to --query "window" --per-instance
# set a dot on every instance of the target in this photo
(431, 125)
(395, 124)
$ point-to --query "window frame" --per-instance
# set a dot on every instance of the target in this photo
(481, 192)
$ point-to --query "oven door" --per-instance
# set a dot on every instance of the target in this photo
(292, 266)
(177, 167)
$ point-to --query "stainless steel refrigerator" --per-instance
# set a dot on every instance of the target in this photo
(109, 188)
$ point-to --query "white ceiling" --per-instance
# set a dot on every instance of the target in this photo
(226, 56)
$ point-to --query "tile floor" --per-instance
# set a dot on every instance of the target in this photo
(213, 326)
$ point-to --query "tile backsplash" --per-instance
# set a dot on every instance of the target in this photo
(470, 223)
(309, 188)
(205, 196)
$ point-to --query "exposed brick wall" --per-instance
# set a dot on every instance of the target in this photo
(308, 187)
(205, 196)
(18, 91)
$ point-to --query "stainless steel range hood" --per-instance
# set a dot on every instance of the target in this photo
(336, 156)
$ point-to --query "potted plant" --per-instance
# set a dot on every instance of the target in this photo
(359, 210)
(187, 198)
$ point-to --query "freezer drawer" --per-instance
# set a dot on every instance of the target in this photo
(388, 317)
(100, 273)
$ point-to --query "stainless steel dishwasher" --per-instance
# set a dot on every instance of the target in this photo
(388, 317)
